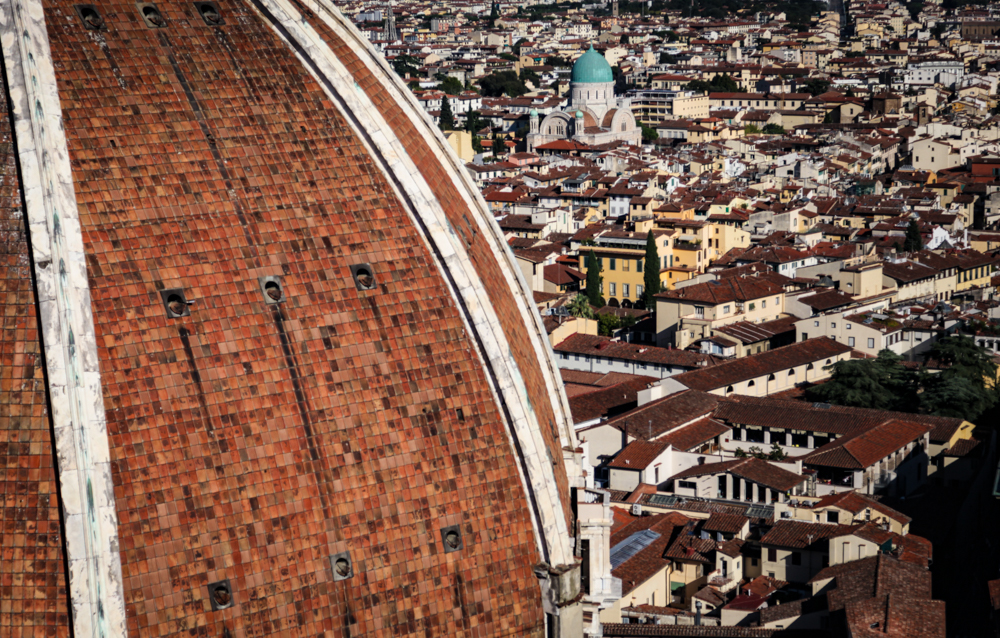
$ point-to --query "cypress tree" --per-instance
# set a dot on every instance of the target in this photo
(447, 120)
(914, 241)
(594, 279)
(651, 273)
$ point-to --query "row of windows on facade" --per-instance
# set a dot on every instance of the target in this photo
(612, 263)
(610, 361)
(700, 310)
(613, 290)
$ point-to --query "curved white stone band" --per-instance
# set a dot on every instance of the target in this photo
(469, 291)
(77, 408)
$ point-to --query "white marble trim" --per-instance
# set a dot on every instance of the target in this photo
(469, 291)
(77, 408)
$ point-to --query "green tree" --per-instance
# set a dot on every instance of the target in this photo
(594, 279)
(607, 324)
(502, 83)
(776, 453)
(650, 273)
(751, 129)
(527, 75)
(473, 123)
(517, 46)
(405, 65)
(740, 453)
(494, 15)
(966, 387)
(446, 121)
(649, 133)
(955, 396)
(721, 83)
(580, 307)
(881, 383)
(774, 129)
(913, 241)
(448, 84)
(960, 356)
(816, 86)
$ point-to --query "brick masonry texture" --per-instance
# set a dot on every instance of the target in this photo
(33, 598)
(252, 441)
(456, 210)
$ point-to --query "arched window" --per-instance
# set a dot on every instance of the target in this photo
(809, 367)
(550, 130)
(729, 390)
(770, 377)
(827, 362)
(623, 127)
(751, 384)
(791, 372)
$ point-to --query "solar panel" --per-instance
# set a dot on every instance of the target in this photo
(663, 500)
(631, 546)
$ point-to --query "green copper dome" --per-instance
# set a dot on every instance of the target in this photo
(591, 67)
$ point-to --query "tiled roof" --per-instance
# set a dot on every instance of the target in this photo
(663, 415)
(856, 502)
(801, 535)
(637, 455)
(748, 332)
(607, 402)
(884, 590)
(695, 434)
(751, 469)
(649, 560)
(964, 447)
(763, 586)
(251, 441)
(690, 546)
(862, 449)
(615, 630)
(725, 523)
(735, 371)
(826, 418)
(994, 588)
(723, 291)
(603, 347)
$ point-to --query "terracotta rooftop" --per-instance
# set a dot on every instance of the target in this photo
(751, 469)
(803, 535)
(816, 351)
(664, 415)
(249, 440)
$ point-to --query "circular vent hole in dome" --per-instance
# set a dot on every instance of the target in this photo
(151, 15)
(209, 12)
(364, 277)
(175, 303)
(451, 538)
(272, 289)
(343, 567)
(90, 17)
(221, 595)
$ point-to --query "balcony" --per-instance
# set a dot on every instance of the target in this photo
(687, 245)
(722, 583)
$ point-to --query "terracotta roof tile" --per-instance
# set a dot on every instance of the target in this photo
(762, 364)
